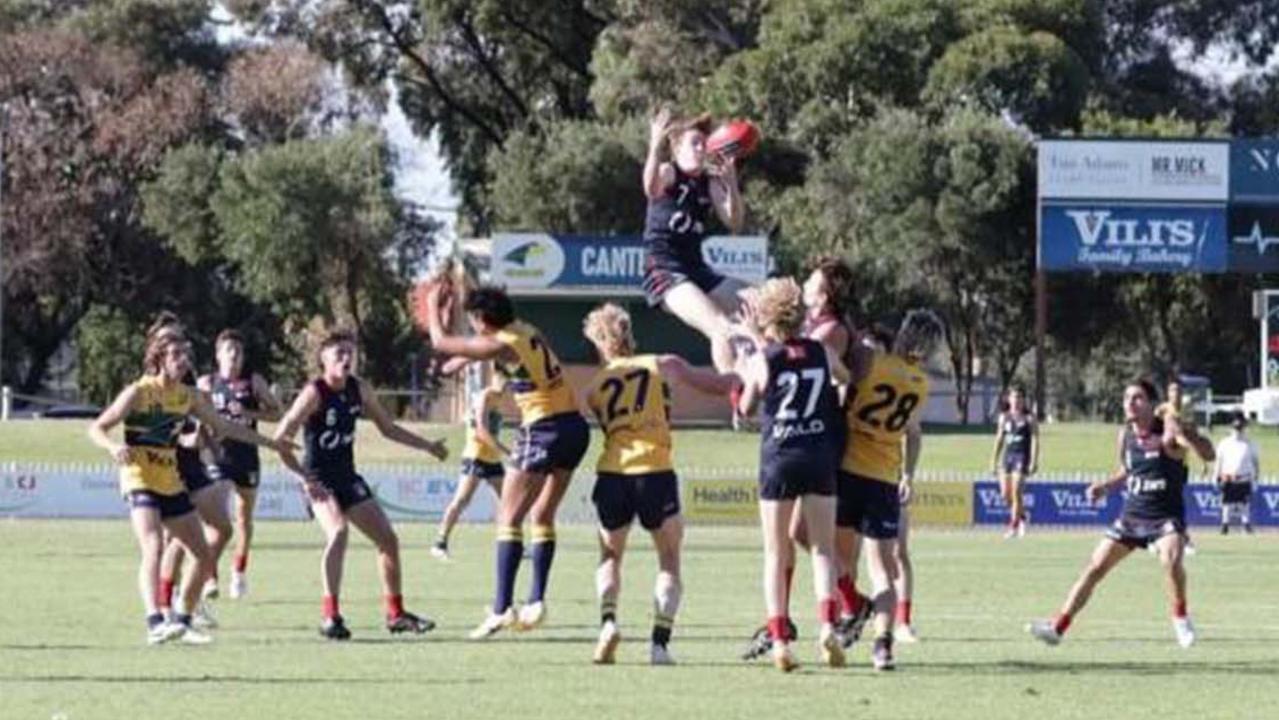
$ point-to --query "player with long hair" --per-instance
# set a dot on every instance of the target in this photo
(685, 187)
(245, 399)
(1015, 458)
(1152, 450)
(792, 377)
(328, 408)
(553, 439)
(876, 479)
(152, 410)
(635, 476)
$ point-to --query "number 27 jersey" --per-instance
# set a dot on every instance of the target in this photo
(632, 402)
(880, 408)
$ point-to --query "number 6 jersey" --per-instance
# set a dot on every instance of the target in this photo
(880, 408)
(631, 400)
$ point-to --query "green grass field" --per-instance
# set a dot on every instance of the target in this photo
(1067, 447)
(71, 636)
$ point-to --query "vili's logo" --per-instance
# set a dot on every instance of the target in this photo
(1072, 500)
(1097, 227)
(1207, 500)
(991, 499)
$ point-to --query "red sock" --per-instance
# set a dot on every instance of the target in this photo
(394, 605)
(828, 610)
(330, 606)
(777, 628)
(788, 575)
(849, 598)
(164, 593)
(241, 563)
(903, 612)
(1179, 609)
(1062, 624)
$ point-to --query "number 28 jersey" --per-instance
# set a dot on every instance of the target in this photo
(632, 401)
(535, 379)
(880, 408)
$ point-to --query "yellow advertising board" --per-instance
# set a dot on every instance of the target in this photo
(943, 502)
(721, 500)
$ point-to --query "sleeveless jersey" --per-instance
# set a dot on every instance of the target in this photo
(231, 398)
(151, 431)
(1017, 432)
(880, 408)
(1156, 481)
(330, 431)
(473, 448)
(676, 223)
(535, 379)
(800, 406)
(633, 404)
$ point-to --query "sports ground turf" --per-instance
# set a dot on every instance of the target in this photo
(71, 637)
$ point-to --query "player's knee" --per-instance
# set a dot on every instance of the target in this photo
(337, 534)
(389, 543)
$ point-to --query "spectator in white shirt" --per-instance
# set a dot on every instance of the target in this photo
(1236, 469)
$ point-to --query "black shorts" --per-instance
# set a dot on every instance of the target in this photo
(170, 506)
(1140, 532)
(1016, 463)
(619, 499)
(193, 473)
(659, 280)
(482, 470)
(557, 442)
(348, 490)
(870, 507)
(786, 478)
(242, 477)
(1236, 492)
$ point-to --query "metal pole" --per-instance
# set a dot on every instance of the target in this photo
(4, 128)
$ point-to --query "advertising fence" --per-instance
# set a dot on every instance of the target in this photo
(708, 496)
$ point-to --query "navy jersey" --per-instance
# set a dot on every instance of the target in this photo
(800, 414)
(1017, 432)
(677, 222)
(330, 432)
(1156, 481)
(231, 398)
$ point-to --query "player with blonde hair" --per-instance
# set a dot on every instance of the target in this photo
(635, 476)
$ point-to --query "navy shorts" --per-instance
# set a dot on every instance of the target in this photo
(870, 507)
(1140, 532)
(348, 490)
(193, 473)
(659, 280)
(1016, 463)
(170, 506)
(557, 442)
(619, 499)
(482, 470)
(242, 477)
(1236, 492)
(786, 478)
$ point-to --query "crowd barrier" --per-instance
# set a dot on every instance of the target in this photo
(709, 496)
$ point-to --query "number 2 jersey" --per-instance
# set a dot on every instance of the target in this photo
(535, 379)
(880, 408)
(800, 407)
(631, 400)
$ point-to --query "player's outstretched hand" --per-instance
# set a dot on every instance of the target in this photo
(438, 450)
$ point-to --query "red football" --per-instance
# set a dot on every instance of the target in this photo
(734, 139)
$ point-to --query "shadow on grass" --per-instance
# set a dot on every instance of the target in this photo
(1267, 668)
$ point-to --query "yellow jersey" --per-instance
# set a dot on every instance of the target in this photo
(151, 431)
(633, 404)
(880, 408)
(476, 450)
(535, 379)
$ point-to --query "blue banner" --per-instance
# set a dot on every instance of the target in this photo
(1254, 239)
(1066, 503)
(1132, 238)
(610, 264)
(1254, 171)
